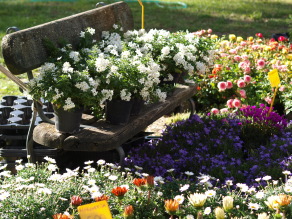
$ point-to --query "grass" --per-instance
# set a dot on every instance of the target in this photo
(243, 18)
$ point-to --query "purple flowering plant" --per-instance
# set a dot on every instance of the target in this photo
(215, 146)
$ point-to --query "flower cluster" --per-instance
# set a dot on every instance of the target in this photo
(241, 73)
(42, 191)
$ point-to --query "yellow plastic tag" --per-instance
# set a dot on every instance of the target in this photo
(96, 210)
(274, 78)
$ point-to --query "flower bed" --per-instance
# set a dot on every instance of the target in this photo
(240, 74)
(241, 147)
(41, 191)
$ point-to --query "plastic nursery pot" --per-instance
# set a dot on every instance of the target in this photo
(117, 112)
(67, 121)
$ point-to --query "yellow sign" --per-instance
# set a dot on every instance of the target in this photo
(96, 210)
(274, 78)
(142, 17)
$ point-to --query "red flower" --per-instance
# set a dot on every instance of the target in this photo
(282, 38)
(101, 198)
(119, 191)
(139, 182)
(128, 212)
(76, 200)
(260, 35)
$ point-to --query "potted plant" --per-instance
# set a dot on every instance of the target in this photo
(65, 82)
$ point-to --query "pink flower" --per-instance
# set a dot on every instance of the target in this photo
(261, 63)
(247, 70)
(237, 58)
(209, 31)
(232, 51)
(268, 100)
(282, 38)
(214, 111)
(260, 35)
(229, 103)
(222, 86)
(224, 110)
(240, 83)
(282, 88)
(243, 43)
(229, 84)
(247, 78)
(236, 103)
(217, 66)
(242, 93)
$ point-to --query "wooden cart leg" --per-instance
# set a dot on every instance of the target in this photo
(121, 152)
(192, 107)
(29, 138)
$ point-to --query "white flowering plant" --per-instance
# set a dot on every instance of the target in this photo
(176, 53)
(46, 191)
(64, 80)
(127, 76)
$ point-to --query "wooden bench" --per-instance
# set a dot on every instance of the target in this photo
(23, 51)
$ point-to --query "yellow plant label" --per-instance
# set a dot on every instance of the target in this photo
(274, 78)
(96, 210)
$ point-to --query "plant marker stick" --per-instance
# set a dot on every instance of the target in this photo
(142, 18)
(272, 103)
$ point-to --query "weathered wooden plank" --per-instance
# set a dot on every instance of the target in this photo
(102, 136)
(24, 50)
